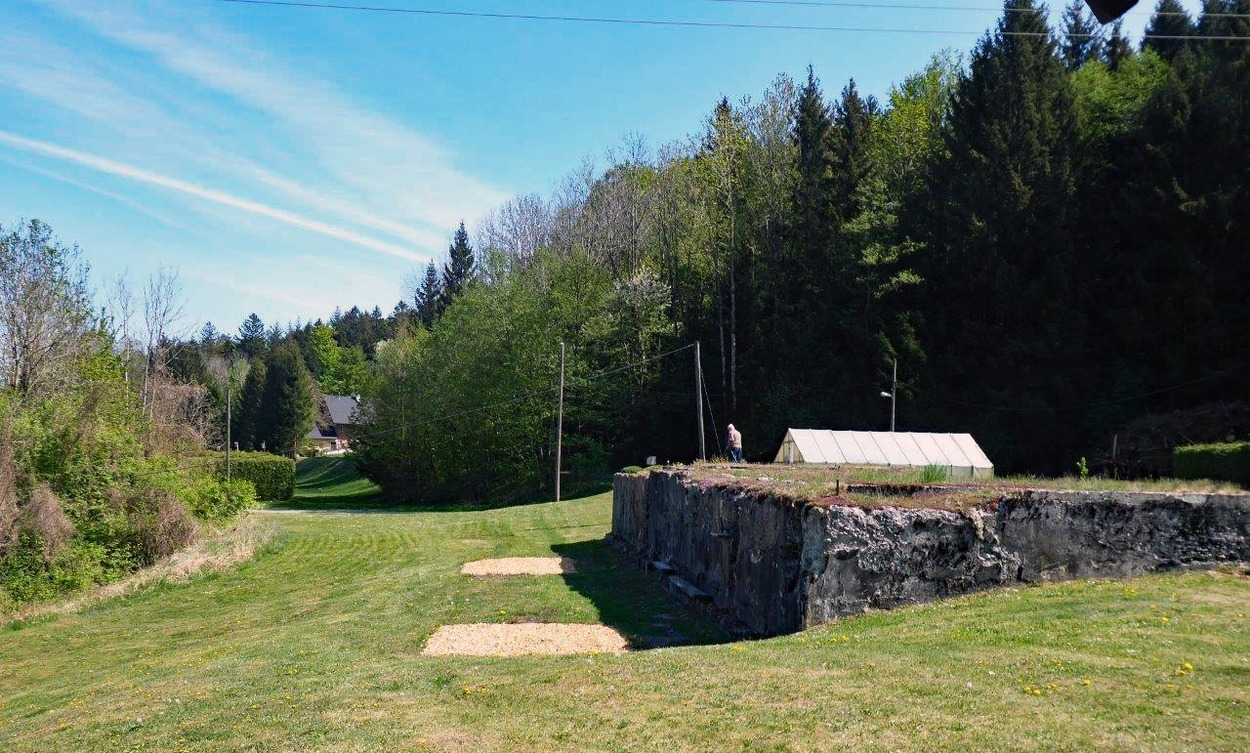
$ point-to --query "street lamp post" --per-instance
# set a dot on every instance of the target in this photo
(893, 395)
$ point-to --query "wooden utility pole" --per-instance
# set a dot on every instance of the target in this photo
(698, 397)
(560, 423)
(228, 422)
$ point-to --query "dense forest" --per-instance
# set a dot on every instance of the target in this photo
(1050, 238)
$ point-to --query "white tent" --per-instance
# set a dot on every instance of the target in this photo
(959, 454)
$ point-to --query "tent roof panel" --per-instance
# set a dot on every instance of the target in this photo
(805, 440)
(972, 451)
(907, 443)
(952, 451)
(829, 447)
(889, 444)
(873, 454)
(848, 447)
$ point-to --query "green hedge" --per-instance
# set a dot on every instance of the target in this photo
(1223, 462)
(272, 475)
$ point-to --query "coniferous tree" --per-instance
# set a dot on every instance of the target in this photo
(247, 413)
(852, 119)
(1082, 38)
(814, 218)
(209, 336)
(429, 297)
(1003, 252)
(460, 269)
(1117, 46)
(287, 403)
(252, 336)
(1170, 20)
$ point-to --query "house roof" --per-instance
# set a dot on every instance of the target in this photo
(341, 408)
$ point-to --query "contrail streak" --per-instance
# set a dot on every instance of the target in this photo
(131, 172)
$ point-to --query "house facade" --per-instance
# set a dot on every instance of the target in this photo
(333, 430)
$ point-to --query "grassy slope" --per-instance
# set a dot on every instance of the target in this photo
(316, 646)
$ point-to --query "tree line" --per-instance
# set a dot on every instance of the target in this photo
(1049, 238)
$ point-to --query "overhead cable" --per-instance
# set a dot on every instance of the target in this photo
(946, 8)
(696, 24)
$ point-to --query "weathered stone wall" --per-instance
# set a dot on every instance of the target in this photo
(1102, 534)
(668, 521)
(770, 565)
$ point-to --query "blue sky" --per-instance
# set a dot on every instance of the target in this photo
(288, 161)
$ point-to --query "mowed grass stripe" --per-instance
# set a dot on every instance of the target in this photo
(315, 645)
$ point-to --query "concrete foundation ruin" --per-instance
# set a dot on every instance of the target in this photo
(768, 564)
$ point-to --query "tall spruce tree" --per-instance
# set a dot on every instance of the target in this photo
(429, 297)
(288, 409)
(813, 208)
(1003, 255)
(1082, 37)
(1170, 20)
(460, 269)
(852, 120)
(252, 336)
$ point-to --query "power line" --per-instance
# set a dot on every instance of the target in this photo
(691, 24)
(945, 8)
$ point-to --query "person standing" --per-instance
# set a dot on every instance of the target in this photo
(734, 441)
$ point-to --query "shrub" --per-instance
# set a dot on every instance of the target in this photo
(160, 525)
(1224, 462)
(210, 499)
(26, 574)
(8, 497)
(632, 469)
(44, 518)
(934, 474)
(273, 476)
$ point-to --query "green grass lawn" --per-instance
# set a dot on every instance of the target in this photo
(315, 645)
(331, 482)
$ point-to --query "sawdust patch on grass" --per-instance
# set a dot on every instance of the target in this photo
(519, 566)
(524, 639)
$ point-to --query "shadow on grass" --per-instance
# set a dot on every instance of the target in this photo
(634, 602)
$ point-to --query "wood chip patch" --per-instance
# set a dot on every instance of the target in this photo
(524, 639)
(519, 566)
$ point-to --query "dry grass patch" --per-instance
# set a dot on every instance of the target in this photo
(872, 487)
(524, 639)
(519, 566)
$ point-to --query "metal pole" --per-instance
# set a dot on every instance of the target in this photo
(560, 423)
(698, 397)
(893, 395)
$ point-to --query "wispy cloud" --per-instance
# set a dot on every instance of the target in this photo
(131, 172)
(124, 200)
(365, 167)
